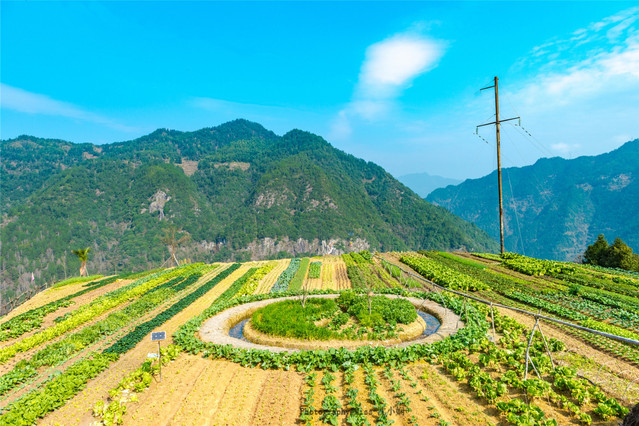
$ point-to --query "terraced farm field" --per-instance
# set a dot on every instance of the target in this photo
(82, 353)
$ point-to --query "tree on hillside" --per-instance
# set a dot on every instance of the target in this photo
(616, 255)
(594, 253)
(619, 255)
(173, 237)
(83, 255)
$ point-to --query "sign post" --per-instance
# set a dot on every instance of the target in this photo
(159, 336)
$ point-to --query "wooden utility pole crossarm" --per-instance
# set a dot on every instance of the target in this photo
(496, 123)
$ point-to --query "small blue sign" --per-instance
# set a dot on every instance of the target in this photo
(158, 335)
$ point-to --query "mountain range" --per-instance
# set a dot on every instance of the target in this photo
(555, 208)
(240, 191)
(424, 183)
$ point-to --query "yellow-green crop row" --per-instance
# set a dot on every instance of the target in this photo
(255, 279)
(97, 307)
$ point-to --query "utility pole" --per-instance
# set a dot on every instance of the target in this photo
(496, 123)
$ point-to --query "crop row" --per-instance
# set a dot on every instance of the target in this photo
(37, 403)
(32, 319)
(136, 382)
(314, 270)
(508, 354)
(75, 280)
(619, 316)
(253, 282)
(476, 326)
(97, 307)
(600, 282)
(141, 331)
(234, 288)
(571, 272)
(442, 275)
(298, 279)
(284, 280)
(396, 276)
(362, 276)
(62, 350)
(531, 266)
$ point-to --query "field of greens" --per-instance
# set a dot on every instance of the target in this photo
(81, 352)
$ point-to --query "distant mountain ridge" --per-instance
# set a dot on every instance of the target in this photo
(424, 183)
(239, 190)
(557, 207)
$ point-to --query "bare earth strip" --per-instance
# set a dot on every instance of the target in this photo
(341, 277)
(102, 343)
(313, 283)
(448, 398)
(11, 363)
(328, 269)
(269, 280)
(614, 386)
(78, 409)
(198, 391)
(47, 321)
(46, 296)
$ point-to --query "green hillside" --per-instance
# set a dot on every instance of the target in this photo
(557, 207)
(239, 190)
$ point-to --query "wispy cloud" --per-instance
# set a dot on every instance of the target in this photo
(580, 93)
(389, 68)
(16, 99)
(587, 42)
(564, 148)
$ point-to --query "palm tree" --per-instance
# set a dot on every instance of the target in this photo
(83, 255)
(173, 237)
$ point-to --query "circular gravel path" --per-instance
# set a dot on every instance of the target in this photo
(216, 329)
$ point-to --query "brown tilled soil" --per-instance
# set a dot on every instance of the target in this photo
(314, 283)
(608, 379)
(269, 279)
(198, 391)
(97, 347)
(328, 271)
(78, 409)
(46, 296)
(340, 277)
(48, 320)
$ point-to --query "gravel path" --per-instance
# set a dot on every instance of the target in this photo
(216, 329)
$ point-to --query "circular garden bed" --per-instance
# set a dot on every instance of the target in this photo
(329, 321)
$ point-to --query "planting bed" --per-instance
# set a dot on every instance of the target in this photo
(217, 328)
(463, 374)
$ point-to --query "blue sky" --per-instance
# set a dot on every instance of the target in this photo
(395, 83)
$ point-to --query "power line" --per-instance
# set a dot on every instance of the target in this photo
(497, 123)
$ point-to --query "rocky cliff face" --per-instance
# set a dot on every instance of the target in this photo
(269, 247)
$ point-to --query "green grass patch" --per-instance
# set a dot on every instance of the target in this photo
(462, 260)
(76, 280)
(315, 269)
(298, 279)
(346, 318)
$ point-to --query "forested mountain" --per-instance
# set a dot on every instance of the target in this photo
(557, 207)
(239, 190)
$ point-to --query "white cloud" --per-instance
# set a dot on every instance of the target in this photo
(16, 99)
(592, 40)
(392, 64)
(603, 74)
(564, 148)
(389, 68)
(597, 61)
